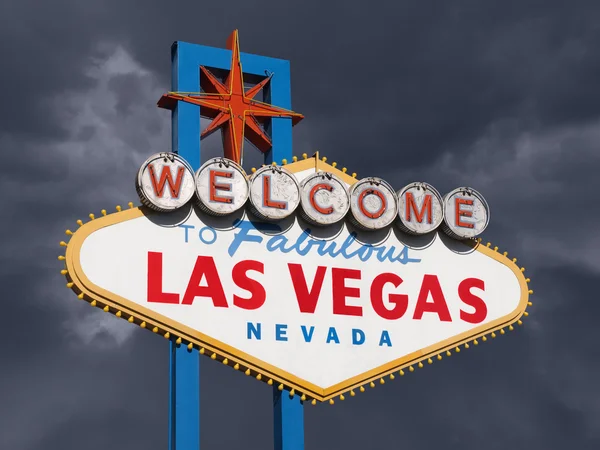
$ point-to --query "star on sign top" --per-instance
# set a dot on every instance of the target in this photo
(232, 108)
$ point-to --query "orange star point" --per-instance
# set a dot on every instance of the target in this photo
(232, 109)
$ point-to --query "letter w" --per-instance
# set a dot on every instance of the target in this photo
(165, 177)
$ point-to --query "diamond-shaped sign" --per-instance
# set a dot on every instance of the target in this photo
(320, 310)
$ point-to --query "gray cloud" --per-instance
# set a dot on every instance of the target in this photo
(501, 96)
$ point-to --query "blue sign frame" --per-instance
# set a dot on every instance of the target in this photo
(184, 382)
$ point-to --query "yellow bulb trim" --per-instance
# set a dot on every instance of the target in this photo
(115, 309)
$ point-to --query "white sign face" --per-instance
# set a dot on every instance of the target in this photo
(221, 187)
(320, 312)
(321, 300)
(165, 182)
(420, 209)
(324, 198)
(274, 193)
(467, 213)
(373, 203)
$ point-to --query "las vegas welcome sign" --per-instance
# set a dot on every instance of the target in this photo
(299, 274)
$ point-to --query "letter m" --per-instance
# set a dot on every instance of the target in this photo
(166, 177)
(411, 206)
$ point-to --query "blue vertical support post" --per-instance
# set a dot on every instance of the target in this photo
(288, 418)
(184, 376)
(288, 412)
(279, 93)
(288, 421)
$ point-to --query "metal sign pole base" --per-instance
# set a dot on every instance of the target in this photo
(184, 398)
(186, 59)
(288, 421)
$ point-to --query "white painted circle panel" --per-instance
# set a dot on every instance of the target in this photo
(221, 187)
(165, 182)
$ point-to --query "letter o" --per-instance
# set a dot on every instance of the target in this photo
(373, 204)
(203, 239)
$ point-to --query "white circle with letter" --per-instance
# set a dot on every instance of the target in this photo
(165, 182)
(274, 193)
(373, 203)
(324, 198)
(420, 208)
(466, 213)
(221, 187)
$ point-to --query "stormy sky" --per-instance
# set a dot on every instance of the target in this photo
(503, 96)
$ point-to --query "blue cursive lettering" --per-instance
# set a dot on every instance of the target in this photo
(247, 231)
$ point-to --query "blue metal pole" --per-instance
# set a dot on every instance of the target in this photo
(288, 421)
(184, 406)
(184, 417)
(184, 376)
(288, 413)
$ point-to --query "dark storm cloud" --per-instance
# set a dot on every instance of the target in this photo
(498, 95)
(41, 61)
(423, 75)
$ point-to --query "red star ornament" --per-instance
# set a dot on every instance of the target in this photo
(231, 108)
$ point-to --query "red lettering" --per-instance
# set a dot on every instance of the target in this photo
(205, 267)
(317, 187)
(307, 299)
(411, 205)
(155, 292)
(241, 279)
(267, 201)
(431, 285)
(361, 198)
(214, 187)
(400, 301)
(465, 294)
(341, 291)
(462, 212)
(166, 177)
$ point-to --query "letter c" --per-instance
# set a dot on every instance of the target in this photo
(313, 201)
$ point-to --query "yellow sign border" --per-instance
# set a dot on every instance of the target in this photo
(270, 374)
